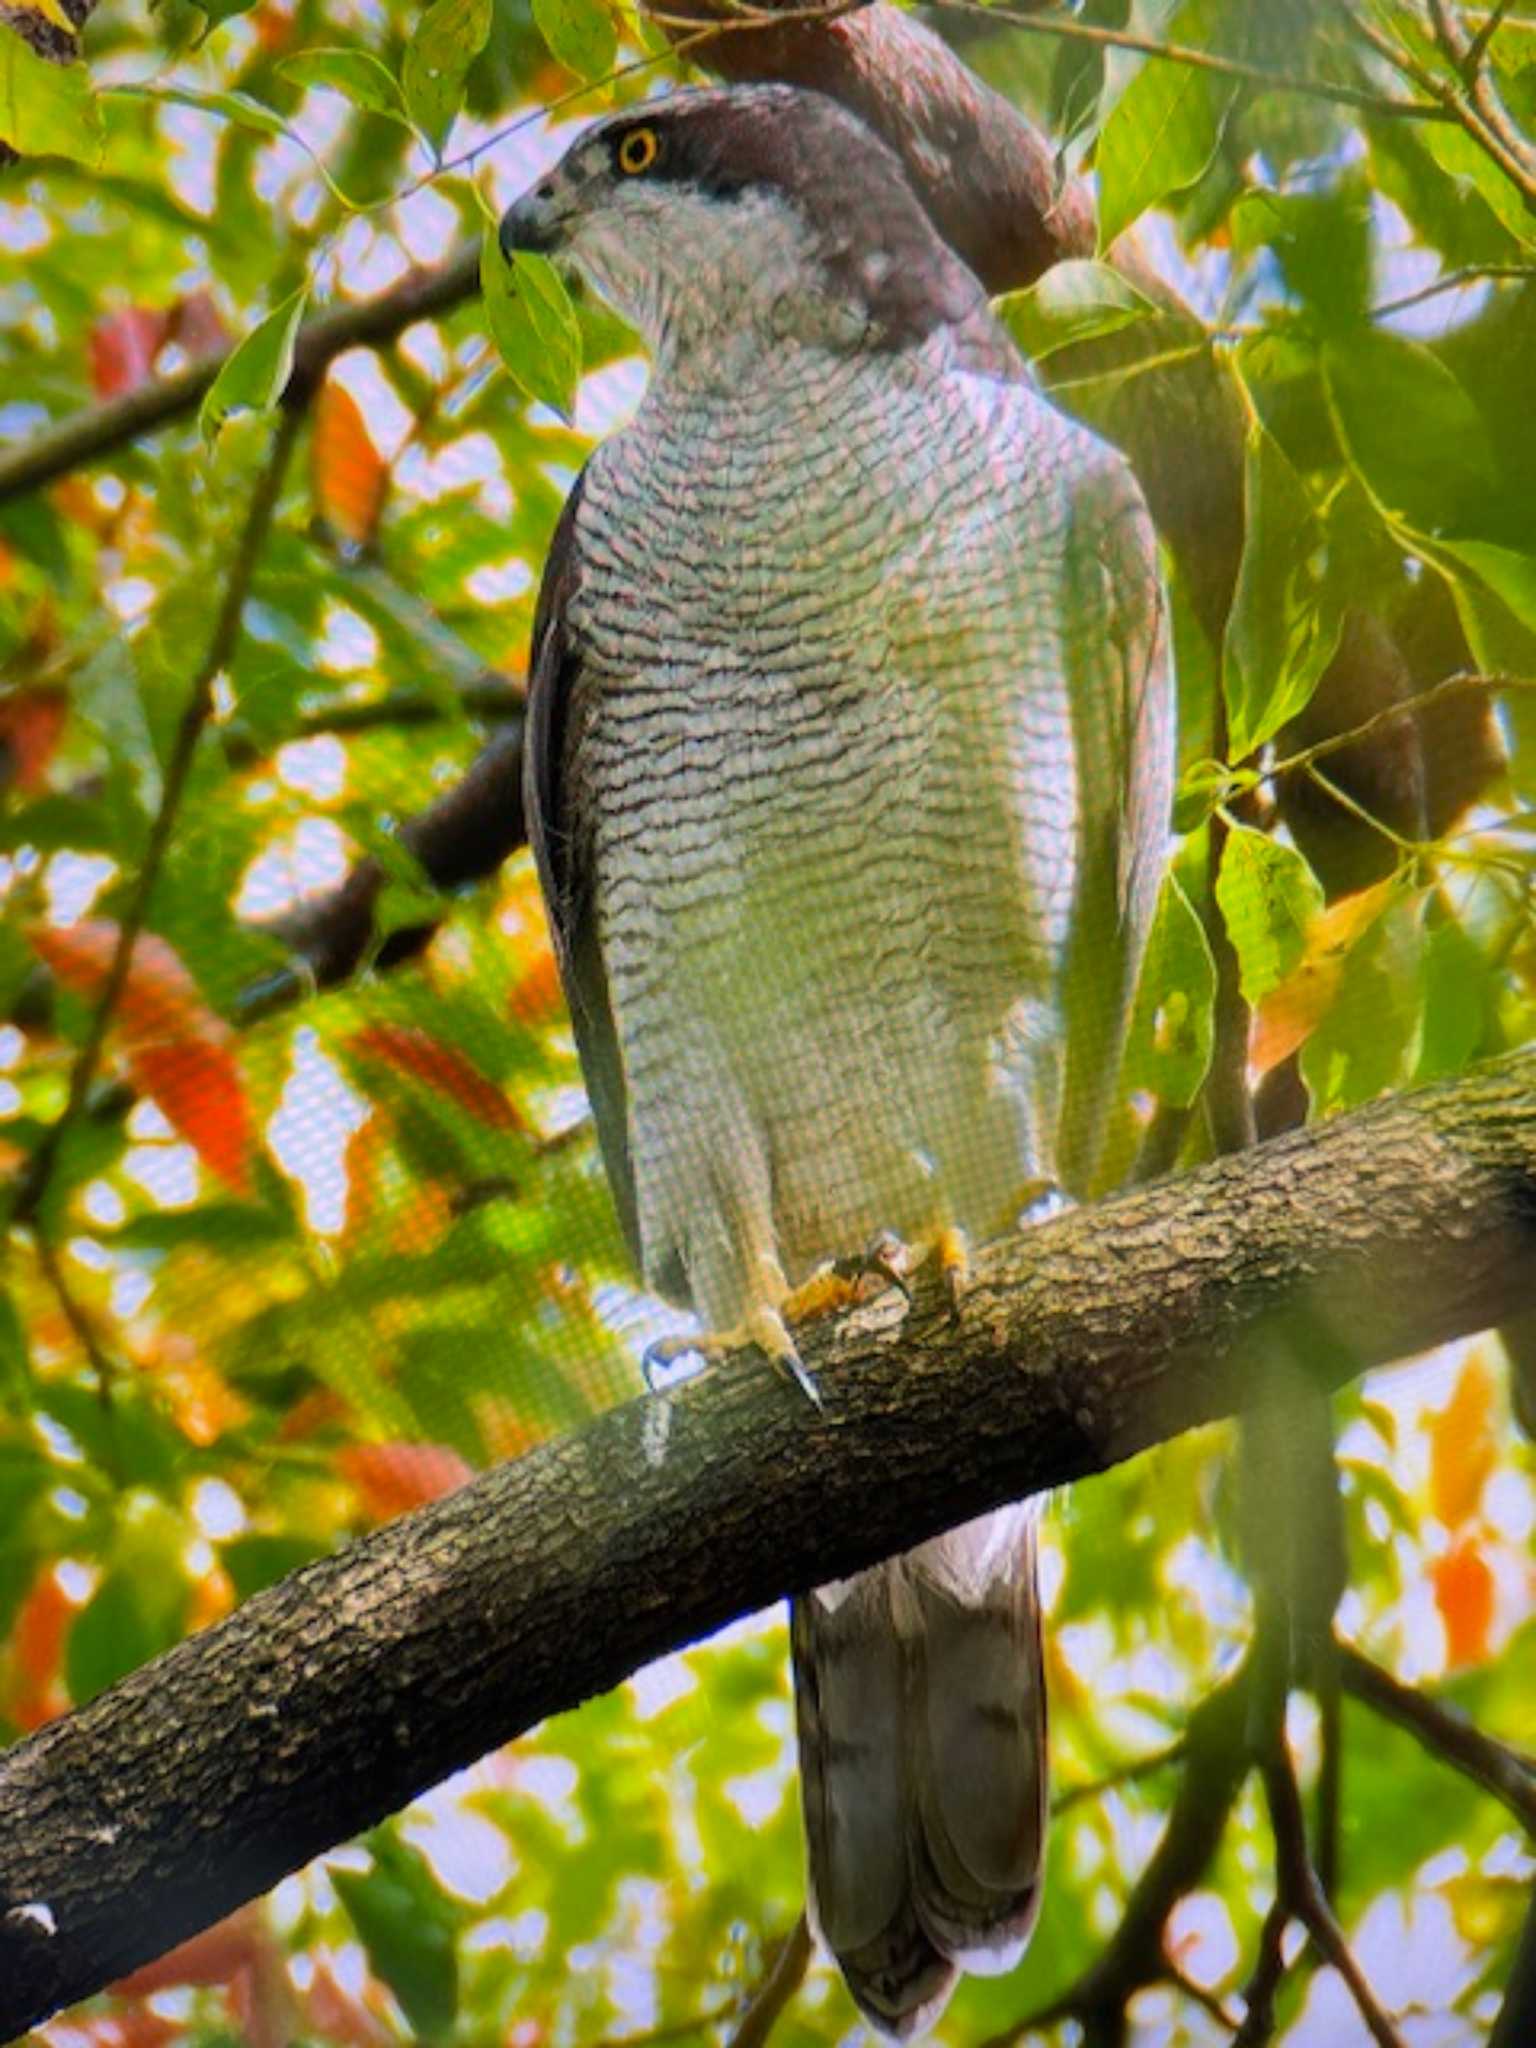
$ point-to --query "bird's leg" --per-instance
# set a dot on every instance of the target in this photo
(762, 1324)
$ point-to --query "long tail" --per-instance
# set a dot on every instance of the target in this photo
(921, 1705)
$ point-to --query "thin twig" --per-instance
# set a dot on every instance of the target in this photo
(1127, 1774)
(189, 730)
(782, 1979)
(1509, 1776)
(1495, 139)
(1476, 50)
(79, 1322)
(1208, 2001)
(1069, 30)
(1259, 1993)
(1303, 1895)
(1453, 280)
(1458, 685)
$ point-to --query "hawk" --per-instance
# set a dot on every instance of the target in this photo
(848, 766)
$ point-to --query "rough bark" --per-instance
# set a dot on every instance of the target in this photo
(333, 1698)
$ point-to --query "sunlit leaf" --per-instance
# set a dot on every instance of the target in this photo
(1292, 1011)
(1464, 1598)
(1073, 302)
(46, 109)
(256, 374)
(532, 323)
(1368, 1039)
(1281, 630)
(444, 43)
(349, 476)
(357, 74)
(1163, 129)
(1464, 1443)
(582, 34)
(1268, 897)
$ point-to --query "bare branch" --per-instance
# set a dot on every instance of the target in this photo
(1508, 1776)
(785, 1975)
(1301, 1893)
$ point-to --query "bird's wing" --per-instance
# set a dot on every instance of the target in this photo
(563, 851)
(1123, 723)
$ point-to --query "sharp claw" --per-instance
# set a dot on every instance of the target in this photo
(793, 1366)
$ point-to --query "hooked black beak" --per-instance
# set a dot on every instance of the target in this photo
(536, 221)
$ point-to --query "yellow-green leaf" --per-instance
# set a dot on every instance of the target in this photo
(356, 74)
(444, 43)
(1163, 129)
(47, 109)
(581, 34)
(1267, 896)
(532, 322)
(1072, 302)
(256, 374)
(1168, 1047)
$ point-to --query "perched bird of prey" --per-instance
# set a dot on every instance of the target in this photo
(848, 773)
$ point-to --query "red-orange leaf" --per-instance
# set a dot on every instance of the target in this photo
(349, 475)
(37, 1644)
(443, 1067)
(1463, 1444)
(123, 349)
(215, 1956)
(392, 1478)
(197, 1087)
(1464, 1595)
(30, 724)
(178, 1049)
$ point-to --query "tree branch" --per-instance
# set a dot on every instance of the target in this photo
(87, 436)
(334, 1698)
(1504, 1773)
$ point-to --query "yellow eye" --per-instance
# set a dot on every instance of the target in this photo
(637, 151)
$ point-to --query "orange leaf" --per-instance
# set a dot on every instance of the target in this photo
(443, 1067)
(349, 476)
(123, 349)
(1463, 1444)
(178, 1049)
(1289, 1014)
(1464, 1594)
(198, 1089)
(391, 1478)
(38, 1635)
(30, 724)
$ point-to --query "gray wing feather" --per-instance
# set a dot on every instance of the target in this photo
(562, 851)
(921, 1709)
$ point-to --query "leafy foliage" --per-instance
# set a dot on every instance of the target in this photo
(289, 1270)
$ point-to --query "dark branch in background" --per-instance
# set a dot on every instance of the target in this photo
(369, 323)
(334, 1698)
(1305, 1900)
(1504, 1773)
(781, 1981)
(1516, 2023)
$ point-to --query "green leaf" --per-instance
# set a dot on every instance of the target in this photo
(407, 1927)
(1413, 436)
(444, 43)
(356, 74)
(1163, 129)
(118, 1631)
(1368, 1041)
(1168, 1048)
(580, 33)
(532, 323)
(1510, 575)
(1467, 163)
(15, 1371)
(1072, 302)
(237, 107)
(1280, 633)
(256, 374)
(1268, 896)
(47, 109)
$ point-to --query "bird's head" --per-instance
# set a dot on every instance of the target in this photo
(765, 208)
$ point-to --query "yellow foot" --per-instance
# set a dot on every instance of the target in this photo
(762, 1326)
(952, 1249)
